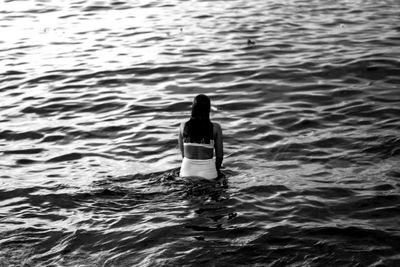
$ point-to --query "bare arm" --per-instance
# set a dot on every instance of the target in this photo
(219, 147)
(180, 140)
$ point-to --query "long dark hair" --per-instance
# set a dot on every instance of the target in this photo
(199, 128)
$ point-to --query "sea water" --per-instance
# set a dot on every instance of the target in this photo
(307, 95)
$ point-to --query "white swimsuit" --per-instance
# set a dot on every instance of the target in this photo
(204, 168)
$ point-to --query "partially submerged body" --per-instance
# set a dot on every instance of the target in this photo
(200, 142)
(198, 158)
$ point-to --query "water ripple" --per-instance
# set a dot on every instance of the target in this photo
(92, 96)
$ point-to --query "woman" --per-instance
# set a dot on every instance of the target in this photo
(198, 138)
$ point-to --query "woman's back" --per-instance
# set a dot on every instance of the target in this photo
(198, 139)
(199, 150)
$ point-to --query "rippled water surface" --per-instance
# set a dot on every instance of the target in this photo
(92, 93)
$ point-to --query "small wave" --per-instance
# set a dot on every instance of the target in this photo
(265, 189)
(25, 161)
(305, 124)
(66, 157)
(104, 107)
(24, 151)
(47, 78)
(11, 135)
(96, 8)
(51, 109)
(53, 138)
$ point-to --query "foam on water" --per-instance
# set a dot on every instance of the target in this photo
(92, 93)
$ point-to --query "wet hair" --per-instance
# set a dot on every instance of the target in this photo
(199, 128)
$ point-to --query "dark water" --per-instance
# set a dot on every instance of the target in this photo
(92, 93)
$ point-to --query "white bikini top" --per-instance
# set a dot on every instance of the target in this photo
(210, 145)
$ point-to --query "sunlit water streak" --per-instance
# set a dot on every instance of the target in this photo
(92, 93)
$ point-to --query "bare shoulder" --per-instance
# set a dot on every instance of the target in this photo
(217, 127)
(182, 126)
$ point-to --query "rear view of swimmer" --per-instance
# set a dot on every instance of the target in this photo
(199, 139)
